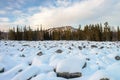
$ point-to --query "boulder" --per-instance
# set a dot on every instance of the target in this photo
(69, 75)
(1, 68)
(71, 67)
(40, 53)
(59, 51)
(104, 79)
(117, 57)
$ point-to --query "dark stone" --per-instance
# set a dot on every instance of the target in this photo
(93, 46)
(30, 64)
(39, 53)
(20, 70)
(101, 47)
(22, 49)
(84, 46)
(25, 45)
(2, 70)
(88, 59)
(22, 55)
(84, 66)
(117, 57)
(31, 77)
(105, 79)
(70, 48)
(72, 44)
(80, 48)
(54, 70)
(69, 75)
(59, 51)
(75, 75)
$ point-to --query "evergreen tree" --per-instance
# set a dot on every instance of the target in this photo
(11, 34)
(118, 33)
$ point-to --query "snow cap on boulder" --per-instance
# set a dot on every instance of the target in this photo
(71, 64)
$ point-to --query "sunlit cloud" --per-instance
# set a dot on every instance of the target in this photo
(63, 12)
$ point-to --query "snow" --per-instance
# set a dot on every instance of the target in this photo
(99, 75)
(114, 70)
(72, 64)
(27, 73)
(1, 67)
(21, 62)
(46, 77)
(12, 72)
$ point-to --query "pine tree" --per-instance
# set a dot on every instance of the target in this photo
(11, 34)
(80, 35)
(25, 33)
(30, 34)
(118, 33)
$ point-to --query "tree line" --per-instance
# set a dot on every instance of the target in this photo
(92, 32)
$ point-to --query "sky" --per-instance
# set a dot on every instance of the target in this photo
(57, 13)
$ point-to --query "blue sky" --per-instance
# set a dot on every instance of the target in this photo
(55, 13)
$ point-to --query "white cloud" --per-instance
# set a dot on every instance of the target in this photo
(4, 19)
(15, 4)
(84, 12)
(4, 27)
(74, 14)
(2, 12)
(63, 3)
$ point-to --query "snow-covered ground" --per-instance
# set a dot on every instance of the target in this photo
(42, 60)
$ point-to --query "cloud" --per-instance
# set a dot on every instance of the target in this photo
(2, 12)
(16, 4)
(70, 13)
(63, 3)
(4, 19)
(73, 14)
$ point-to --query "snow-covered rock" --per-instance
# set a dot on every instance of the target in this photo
(39, 60)
(46, 77)
(7, 61)
(21, 62)
(13, 72)
(27, 74)
(114, 70)
(55, 59)
(99, 75)
(1, 68)
(71, 65)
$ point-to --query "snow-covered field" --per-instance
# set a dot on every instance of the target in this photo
(43, 60)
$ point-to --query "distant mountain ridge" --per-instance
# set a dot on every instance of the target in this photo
(64, 28)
